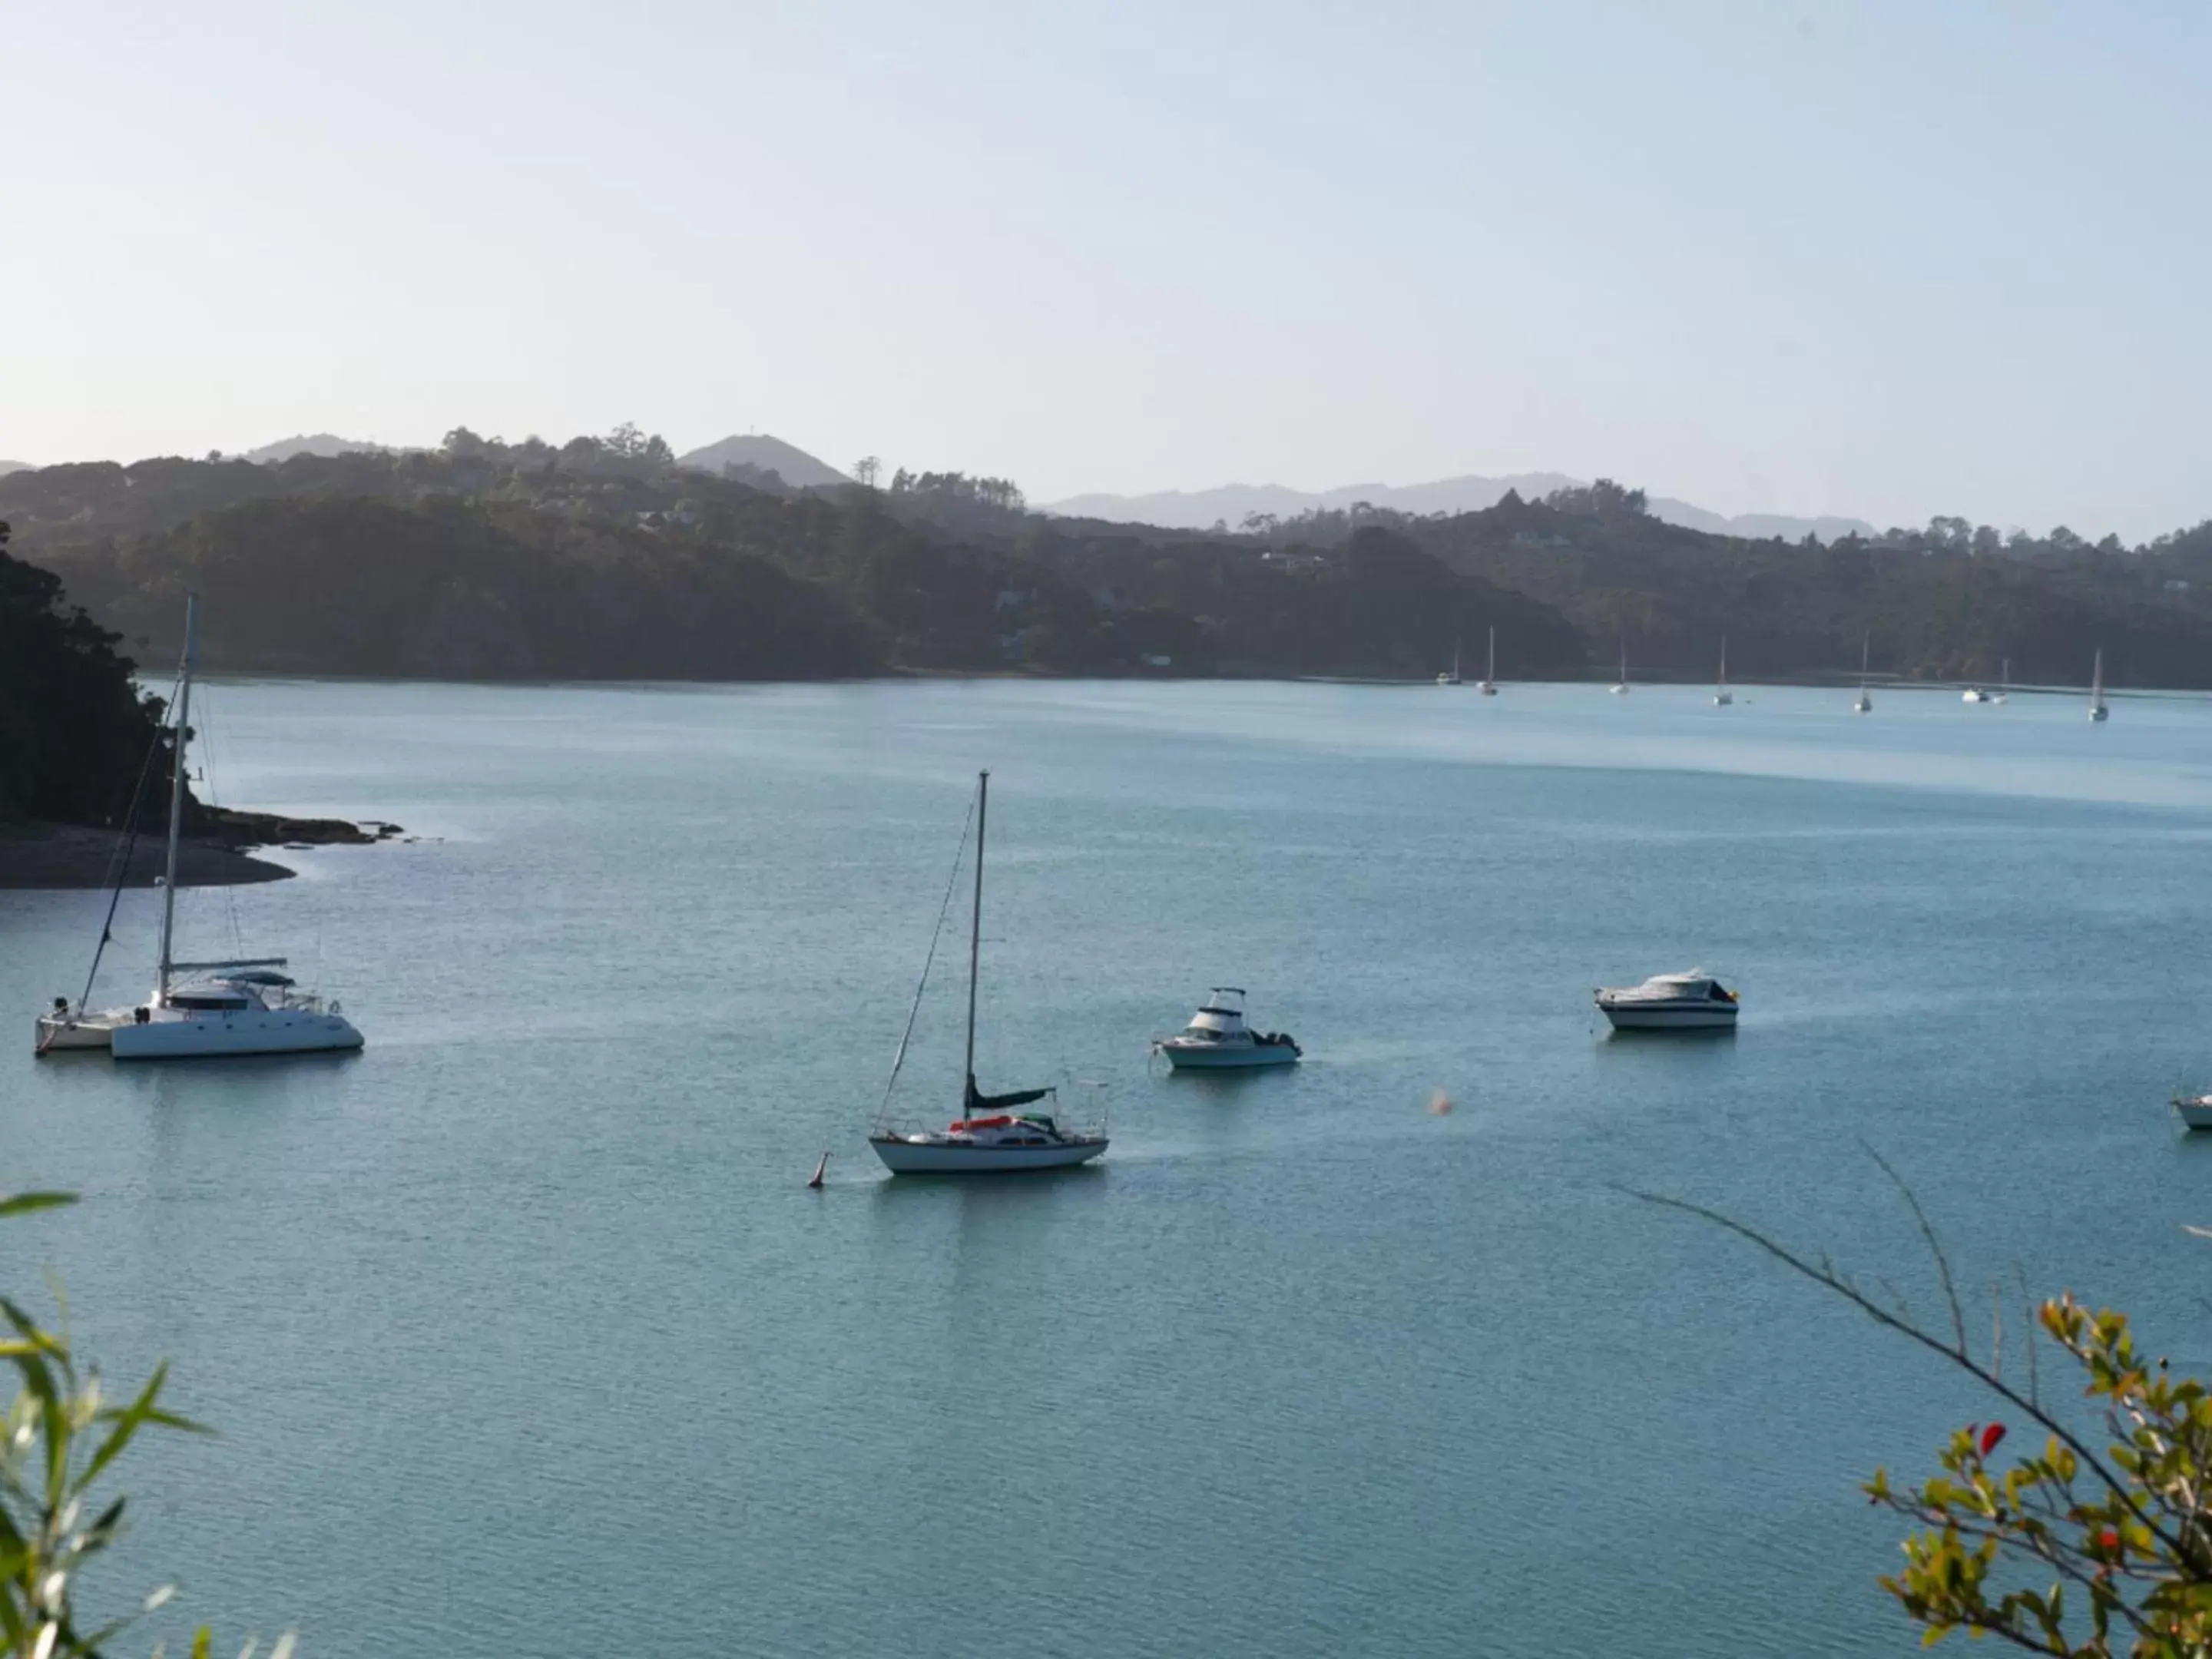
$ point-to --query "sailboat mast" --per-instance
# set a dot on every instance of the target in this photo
(1492, 674)
(976, 921)
(177, 794)
(1724, 659)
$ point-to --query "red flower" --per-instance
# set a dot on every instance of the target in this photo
(1991, 1436)
(2108, 1540)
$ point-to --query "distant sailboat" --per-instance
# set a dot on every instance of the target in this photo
(1489, 686)
(992, 1133)
(1621, 685)
(1722, 696)
(2096, 709)
(1451, 678)
(1863, 704)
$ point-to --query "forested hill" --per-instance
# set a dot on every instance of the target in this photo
(74, 731)
(604, 557)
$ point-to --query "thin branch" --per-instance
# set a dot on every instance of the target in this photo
(1935, 1249)
(1958, 1357)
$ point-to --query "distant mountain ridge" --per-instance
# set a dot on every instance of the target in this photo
(6, 467)
(1197, 509)
(324, 444)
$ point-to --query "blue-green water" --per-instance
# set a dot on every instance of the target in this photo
(527, 1338)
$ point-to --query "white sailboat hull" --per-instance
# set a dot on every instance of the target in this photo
(172, 1035)
(59, 1033)
(934, 1155)
(2194, 1111)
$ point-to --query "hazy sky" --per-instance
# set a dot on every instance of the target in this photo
(1889, 259)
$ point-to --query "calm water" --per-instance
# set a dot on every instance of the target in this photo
(527, 1338)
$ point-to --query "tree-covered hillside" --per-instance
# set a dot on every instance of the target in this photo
(74, 731)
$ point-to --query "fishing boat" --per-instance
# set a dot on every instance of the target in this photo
(1452, 677)
(2096, 709)
(1722, 696)
(246, 1006)
(994, 1133)
(1621, 685)
(1489, 686)
(1670, 1002)
(1862, 703)
(1218, 1037)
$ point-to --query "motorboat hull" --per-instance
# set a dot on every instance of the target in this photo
(1698, 1016)
(1226, 1056)
(245, 1031)
(932, 1155)
(2194, 1111)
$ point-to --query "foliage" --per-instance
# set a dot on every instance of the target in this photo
(2126, 1530)
(61, 1436)
(74, 730)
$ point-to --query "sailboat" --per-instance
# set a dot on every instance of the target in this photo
(1722, 696)
(1452, 678)
(2096, 709)
(246, 1006)
(1983, 694)
(2003, 693)
(993, 1134)
(1862, 703)
(1621, 685)
(1489, 686)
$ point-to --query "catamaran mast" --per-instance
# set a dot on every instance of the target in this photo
(975, 925)
(177, 794)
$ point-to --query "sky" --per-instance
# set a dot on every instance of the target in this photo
(1883, 260)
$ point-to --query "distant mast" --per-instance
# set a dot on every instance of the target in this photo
(2096, 709)
(177, 795)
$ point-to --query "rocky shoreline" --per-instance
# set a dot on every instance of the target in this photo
(67, 855)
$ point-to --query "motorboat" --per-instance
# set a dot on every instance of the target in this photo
(1218, 1037)
(2194, 1110)
(243, 1007)
(1670, 1002)
(994, 1133)
(1863, 704)
(1489, 686)
(1975, 693)
(2096, 710)
(1722, 696)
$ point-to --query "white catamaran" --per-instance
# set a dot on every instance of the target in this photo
(993, 1134)
(247, 1006)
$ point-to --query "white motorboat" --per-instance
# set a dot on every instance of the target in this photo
(1489, 686)
(244, 1006)
(2096, 709)
(1621, 685)
(993, 1134)
(2194, 1110)
(1722, 696)
(1863, 704)
(1975, 693)
(1217, 1037)
(1670, 1002)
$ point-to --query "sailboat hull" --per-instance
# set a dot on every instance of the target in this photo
(79, 1032)
(933, 1154)
(247, 1032)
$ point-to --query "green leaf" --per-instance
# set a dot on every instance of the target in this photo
(126, 1423)
(24, 1203)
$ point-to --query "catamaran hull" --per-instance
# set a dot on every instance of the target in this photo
(252, 1031)
(903, 1156)
(1662, 1017)
(1215, 1057)
(58, 1036)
